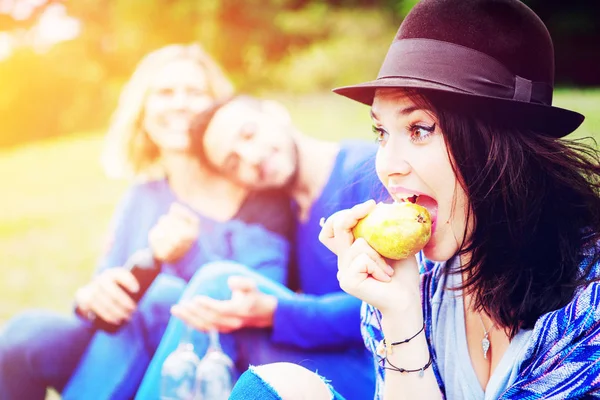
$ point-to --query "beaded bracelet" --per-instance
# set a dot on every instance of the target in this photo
(383, 349)
(421, 370)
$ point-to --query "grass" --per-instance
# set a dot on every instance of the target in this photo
(56, 203)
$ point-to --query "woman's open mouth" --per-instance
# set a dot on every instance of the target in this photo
(400, 194)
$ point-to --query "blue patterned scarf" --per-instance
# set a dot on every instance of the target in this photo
(562, 359)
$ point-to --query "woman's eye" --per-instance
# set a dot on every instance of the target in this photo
(197, 93)
(381, 134)
(420, 132)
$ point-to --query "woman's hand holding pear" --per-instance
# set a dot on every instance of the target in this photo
(362, 271)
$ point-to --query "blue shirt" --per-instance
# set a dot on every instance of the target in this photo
(255, 237)
(323, 316)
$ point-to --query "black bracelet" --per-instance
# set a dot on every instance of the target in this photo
(421, 370)
(409, 339)
(384, 349)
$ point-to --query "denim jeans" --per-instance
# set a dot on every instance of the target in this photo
(42, 349)
(251, 386)
(39, 350)
(350, 370)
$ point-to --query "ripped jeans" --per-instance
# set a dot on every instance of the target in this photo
(251, 386)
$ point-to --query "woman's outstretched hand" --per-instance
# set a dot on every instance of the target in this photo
(247, 308)
(364, 273)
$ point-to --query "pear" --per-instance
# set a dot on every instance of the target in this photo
(397, 230)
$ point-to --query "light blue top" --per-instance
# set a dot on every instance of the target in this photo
(450, 341)
(560, 360)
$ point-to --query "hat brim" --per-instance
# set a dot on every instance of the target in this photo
(549, 120)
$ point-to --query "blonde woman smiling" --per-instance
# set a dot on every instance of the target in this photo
(183, 211)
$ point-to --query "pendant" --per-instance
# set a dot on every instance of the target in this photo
(381, 349)
(485, 345)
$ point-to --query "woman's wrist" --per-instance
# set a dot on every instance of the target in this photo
(268, 305)
(404, 345)
(406, 300)
(405, 319)
(407, 287)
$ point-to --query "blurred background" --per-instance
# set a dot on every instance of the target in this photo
(62, 65)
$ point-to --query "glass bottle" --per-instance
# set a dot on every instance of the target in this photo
(214, 373)
(177, 378)
(145, 268)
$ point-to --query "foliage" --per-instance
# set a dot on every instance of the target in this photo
(348, 36)
(74, 85)
(296, 46)
(575, 30)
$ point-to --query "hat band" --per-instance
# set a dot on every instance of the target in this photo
(460, 68)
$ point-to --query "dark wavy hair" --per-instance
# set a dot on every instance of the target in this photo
(535, 204)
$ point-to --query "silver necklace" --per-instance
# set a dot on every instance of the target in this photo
(485, 342)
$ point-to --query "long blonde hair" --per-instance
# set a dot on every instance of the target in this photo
(128, 151)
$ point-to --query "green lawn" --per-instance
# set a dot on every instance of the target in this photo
(56, 202)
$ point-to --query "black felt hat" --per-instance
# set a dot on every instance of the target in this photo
(493, 54)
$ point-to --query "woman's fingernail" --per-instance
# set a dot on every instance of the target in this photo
(389, 269)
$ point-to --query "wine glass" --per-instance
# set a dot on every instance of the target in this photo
(178, 372)
(214, 373)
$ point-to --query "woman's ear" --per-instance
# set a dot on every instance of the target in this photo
(277, 111)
